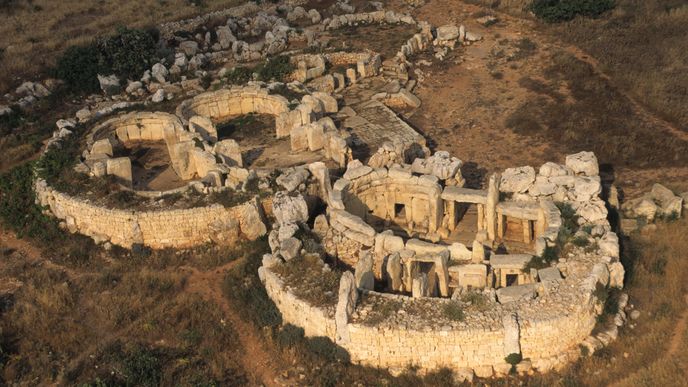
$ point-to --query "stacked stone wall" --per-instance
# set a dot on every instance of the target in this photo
(156, 229)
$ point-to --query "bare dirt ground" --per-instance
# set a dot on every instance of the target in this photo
(468, 98)
(257, 360)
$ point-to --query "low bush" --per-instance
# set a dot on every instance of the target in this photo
(554, 11)
(79, 67)
(275, 69)
(127, 54)
(239, 75)
(453, 311)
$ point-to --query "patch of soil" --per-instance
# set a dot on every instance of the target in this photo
(384, 39)
(151, 166)
(255, 134)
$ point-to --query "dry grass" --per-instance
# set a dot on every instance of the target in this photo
(576, 109)
(34, 32)
(656, 272)
(77, 323)
(643, 46)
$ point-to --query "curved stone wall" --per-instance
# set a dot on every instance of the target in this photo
(546, 320)
(156, 229)
(223, 104)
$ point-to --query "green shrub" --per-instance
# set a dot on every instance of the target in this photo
(513, 358)
(128, 53)
(142, 368)
(18, 208)
(79, 67)
(453, 311)
(276, 68)
(239, 75)
(554, 11)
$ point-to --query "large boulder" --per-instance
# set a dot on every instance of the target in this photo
(668, 203)
(583, 163)
(447, 32)
(109, 84)
(289, 208)
(160, 72)
(517, 180)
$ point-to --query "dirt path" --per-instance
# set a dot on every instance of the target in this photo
(674, 345)
(257, 360)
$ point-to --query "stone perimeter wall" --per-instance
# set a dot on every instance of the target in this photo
(547, 341)
(156, 229)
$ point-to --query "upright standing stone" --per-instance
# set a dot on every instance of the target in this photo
(348, 296)
(491, 206)
(364, 272)
(478, 253)
(394, 271)
(511, 334)
(420, 286)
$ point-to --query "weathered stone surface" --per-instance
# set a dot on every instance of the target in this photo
(459, 252)
(517, 179)
(348, 297)
(203, 126)
(120, 168)
(515, 293)
(447, 32)
(109, 84)
(549, 274)
(229, 152)
(394, 273)
(290, 248)
(291, 179)
(289, 208)
(512, 333)
(583, 163)
(668, 203)
(364, 272)
(252, 220)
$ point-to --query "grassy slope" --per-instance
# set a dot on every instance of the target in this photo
(34, 32)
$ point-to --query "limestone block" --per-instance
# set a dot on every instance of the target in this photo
(419, 287)
(229, 152)
(668, 203)
(515, 293)
(348, 296)
(299, 139)
(616, 275)
(364, 272)
(585, 188)
(203, 126)
(550, 169)
(459, 252)
(394, 273)
(315, 134)
(287, 231)
(517, 179)
(447, 32)
(478, 252)
(473, 275)
(426, 248)
(290, 248)
(549, 274)
(583, 163)
(203, 162)
(291, 179)
(328, 102)
(512, 334)
(120, 168)
(102, 147)
(252, 220)
(315, 105)
(289, 208)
